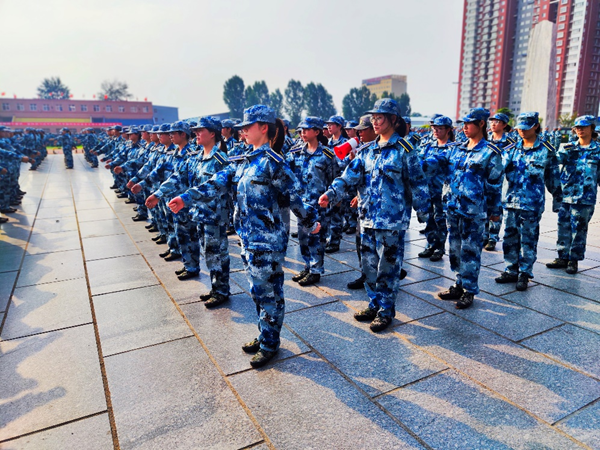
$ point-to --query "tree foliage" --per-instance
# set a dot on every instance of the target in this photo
(403, 102)
(114, 90)
(233, 96)
(276, 102)
(294, 101)
(567, 120)
(257, 94)
(357, 101)
(53, 88)
(318, 101)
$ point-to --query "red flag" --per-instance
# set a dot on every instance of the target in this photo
(3, 94)
(145, 98)
(106, 97)
(15, 95)
(71, 96)
(94, 95)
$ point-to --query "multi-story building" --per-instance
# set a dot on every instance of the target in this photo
(495, 43)
(392, 84)
(51, 115)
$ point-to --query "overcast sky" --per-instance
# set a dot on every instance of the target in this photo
(180, 52)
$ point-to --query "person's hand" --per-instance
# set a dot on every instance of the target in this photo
(130, 184)
(3, 171)
(352, 154)
(107, 166)
(354, 202)
(118, 170)
(176, 204)
(38, 154)
(136, 189)
(25, 159)
(495, 218)
(317, 228)
(324, 201)
(151, 201)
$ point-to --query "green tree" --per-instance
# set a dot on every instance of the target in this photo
(276, 102)
(357, 101)
(294, 101)
(403, 102)
(567, 120)
(257, 94)
(506, 111)
(53, 88)
(114, 90)
(233, 96)
(318, 101)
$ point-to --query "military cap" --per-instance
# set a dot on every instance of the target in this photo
(501, 117)
(407, 119)
(442, 121)
(164, 128)
(62, 129)
(585, 121)
(210, 123)
(227, 123)
(350, 124)
(286, 122)
(257, 113)
(338, 120)
(180, 126)
(311, 122)
(134, 130)
(385, 106)
(476, 114)
(365, 122)
(527, 120)
(147, 128)
(435, 116)
(155, 129)
(117, 128)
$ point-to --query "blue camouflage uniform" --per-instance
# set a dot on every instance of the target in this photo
(337, 212)
(258, 180)
(65, 140)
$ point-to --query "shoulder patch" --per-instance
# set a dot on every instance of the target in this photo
(236, 158)
(405, 145)
(275, 156)
(510, 140)
(494, 148)
(549, 146)
(417, 137)
(511, 146)
(569, 146)
(295, 150)
(327, 152)
(220, 158)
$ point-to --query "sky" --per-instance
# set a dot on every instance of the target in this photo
(180, 52)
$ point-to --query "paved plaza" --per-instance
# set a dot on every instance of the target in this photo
(102, 347)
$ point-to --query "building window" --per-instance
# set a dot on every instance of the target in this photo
(58, 107)
(563, 9)
(20, 107)
(72, 108)
(145, 109)
(96, 108)
(108, 108)
(121, 109)
(561, 26)
(5, 106)
(134, 109)
(46, 107)
(83, 108)
(33, 107)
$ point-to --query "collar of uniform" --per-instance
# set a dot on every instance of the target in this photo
(521, 144)
(257, 151)
(482, 143)
(214, 150)
(184, 151)
(318, 151)
(393, 140)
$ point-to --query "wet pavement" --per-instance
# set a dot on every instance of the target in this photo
(102, 347)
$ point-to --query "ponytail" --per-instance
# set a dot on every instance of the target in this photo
(398, 123)
(451, 136)
(220, 141)
(321, 137)
(276, 135)
(345, 133)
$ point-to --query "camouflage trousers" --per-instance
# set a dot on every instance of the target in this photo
(265, 274)
(335, 218)
(573, 220)
(214, 247)
(436, 225)
(492, 230)
(382, 255)
(68, 156)
(350, 214)
(159, 214)
(312, 247)
(465, 237)
(521, 235)
(187, 241)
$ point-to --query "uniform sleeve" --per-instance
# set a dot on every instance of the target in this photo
(287, 184)
(493, 185)
(219, 184)
(418, 185)
(352, 177)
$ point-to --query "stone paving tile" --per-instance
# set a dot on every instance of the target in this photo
(118, 274)
(494, 313)
(294, 261)
(376, 362)
(108, 247)
(91, 215)
(561, 305)
(56, 212)
(47, 307)
(171, 396)
(579, 284)
(92, 433)
(303, 403)
(336, 286)
(137, 318)
(474, 419)
(347, 258)
(584, 425)
(10, 257)
(101, 228)
(51, 267)
(571, 345)
(49, 379)
(55, 225)
(526, 378)
(7, 282)
(237, 321)
(53, 242)
(83, 205)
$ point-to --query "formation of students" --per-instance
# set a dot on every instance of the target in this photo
(199, 181)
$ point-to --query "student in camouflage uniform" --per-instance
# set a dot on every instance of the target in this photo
(65, 140)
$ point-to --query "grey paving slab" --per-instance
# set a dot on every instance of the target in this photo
(47, 307)
(336, 286)
(53, 242)
(14, 233)
(118, 274)
(494, 313)
(83, 205)
(51, 267)
(49, 379)
(224, 329)
(530, 380)
(347, 258)
(92, 433)
(90, 215)
(579, 284)
(449, 411)
(56, 212)
(108, 247)
(101, 228)
(303, 403)
(7, 282)
(584, 425)
(171, 396)
(295, 262)
(55, 225)
(572, 345)
(137, 318)
(561, 305)
(376, 362)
